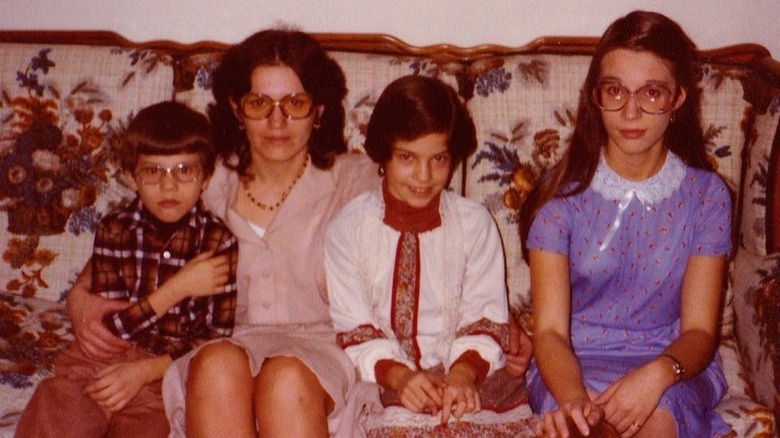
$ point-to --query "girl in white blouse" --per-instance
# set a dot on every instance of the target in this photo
(415, 273)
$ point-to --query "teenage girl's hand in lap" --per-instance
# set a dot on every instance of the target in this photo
(582, 412)
(632, 399)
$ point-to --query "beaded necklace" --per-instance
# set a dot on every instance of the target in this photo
(284, 194)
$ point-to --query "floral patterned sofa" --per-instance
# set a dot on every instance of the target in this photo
(67, 97)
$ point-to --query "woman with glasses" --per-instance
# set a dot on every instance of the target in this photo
(627, 240)
(278, 123)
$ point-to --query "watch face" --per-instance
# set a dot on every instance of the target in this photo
(677, 367)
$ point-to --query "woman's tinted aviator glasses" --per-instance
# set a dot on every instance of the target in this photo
(294, 106)
(652, 98)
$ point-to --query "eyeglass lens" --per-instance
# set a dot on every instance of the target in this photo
(182, 172)
(652, 98)
(294, 106)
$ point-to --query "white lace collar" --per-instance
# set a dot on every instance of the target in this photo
(658, 187)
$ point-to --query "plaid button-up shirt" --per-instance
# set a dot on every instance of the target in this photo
(131, 260)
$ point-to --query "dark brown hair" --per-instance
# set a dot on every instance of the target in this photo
(638, 31)
(413, 106)
(168, 128)
(321, 77)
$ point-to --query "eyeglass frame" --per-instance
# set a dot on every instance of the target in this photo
(633, 94)
(277, 103)
(172, 170)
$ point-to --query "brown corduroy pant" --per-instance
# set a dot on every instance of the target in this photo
(60, 408)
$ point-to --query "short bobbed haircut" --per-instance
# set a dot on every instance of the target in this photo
(414, 106)
(168, 128)
(320, 75)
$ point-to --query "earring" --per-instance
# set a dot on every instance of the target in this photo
(381, 170)
(317, 125)
(241, 125)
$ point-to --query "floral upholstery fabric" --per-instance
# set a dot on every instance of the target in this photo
(524, 108)
(757, 283)
(62, 107)
(758, 174)
(32, 332)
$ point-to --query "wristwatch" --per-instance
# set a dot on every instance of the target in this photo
(677, 367)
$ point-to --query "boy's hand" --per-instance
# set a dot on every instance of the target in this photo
(115, 385)
(204, 275)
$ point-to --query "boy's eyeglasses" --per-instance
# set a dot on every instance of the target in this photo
(294, 106)
(652, 98)
(182, 172)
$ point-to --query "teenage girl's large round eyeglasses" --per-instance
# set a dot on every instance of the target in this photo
(294, 106)
(652, 98)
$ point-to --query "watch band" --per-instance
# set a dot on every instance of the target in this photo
(677, 367)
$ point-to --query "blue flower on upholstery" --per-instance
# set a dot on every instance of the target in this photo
(29, 79)
(496, 79)
(204, 76)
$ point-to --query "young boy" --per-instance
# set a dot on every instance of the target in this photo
(176, 265)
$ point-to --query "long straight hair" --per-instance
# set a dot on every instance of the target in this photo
(638, 31)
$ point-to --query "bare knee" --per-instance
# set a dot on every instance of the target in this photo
(288, 380)
(660, 423)
(219, 392)
(220, 366)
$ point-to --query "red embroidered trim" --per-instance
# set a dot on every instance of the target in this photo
(406, 294)
(499, 332)
(358, 335)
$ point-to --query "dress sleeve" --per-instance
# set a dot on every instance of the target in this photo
(358, 329)
(712, 219)
(220, 312)
(551, 228)
(484, 311)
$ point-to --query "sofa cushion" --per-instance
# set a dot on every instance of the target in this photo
(62, 107)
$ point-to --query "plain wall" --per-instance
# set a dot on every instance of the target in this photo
(466, 23)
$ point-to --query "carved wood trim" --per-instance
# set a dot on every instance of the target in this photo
(753, 55)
